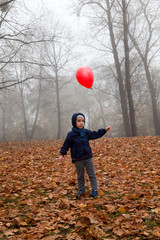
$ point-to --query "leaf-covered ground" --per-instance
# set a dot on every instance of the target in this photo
(37, 192)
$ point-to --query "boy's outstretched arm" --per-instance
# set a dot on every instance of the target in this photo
(97, 134)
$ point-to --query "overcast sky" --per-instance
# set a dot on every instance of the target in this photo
(62, 10)
(79, 25)
(59, 5)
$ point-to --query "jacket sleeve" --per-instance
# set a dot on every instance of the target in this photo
(66, 145)
(95, 134)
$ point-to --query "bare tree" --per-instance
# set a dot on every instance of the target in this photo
(58, 56)
(106, 8)
(20, 55)
(17, 36)
(124, 19)
(146, 54)
(5, 6)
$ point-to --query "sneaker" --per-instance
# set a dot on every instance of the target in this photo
(94, 193)
(80, 193)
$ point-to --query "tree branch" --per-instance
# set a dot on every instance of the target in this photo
(15, 83)
(5, 3)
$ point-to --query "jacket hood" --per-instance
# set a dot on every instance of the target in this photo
(74, 118)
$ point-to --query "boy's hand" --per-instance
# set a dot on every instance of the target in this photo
(61, 158)
(108, 128)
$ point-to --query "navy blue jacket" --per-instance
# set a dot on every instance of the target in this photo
(80, 150)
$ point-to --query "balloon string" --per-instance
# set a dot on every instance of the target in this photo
(99, 106)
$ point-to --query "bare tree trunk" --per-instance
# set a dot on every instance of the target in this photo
(24, 114)
(153, 99)
(3, 117)
(3, 125)
(4, 4)
(58, 107)
(127, 71)
(122, 93)
(37, 110)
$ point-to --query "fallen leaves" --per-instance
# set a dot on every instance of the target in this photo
(37, 192)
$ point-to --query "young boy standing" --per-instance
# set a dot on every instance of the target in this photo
(78, 141)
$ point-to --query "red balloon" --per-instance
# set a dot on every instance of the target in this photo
(85, 77)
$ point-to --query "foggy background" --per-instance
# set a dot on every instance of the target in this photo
(44, 42)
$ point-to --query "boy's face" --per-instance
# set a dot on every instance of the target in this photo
(80, 122)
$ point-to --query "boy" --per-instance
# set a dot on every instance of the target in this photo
(78, 141)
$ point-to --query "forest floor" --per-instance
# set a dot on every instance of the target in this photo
(37, 192)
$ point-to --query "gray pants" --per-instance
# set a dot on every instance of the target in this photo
(88, 164)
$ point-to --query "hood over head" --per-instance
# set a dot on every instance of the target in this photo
(74, 117)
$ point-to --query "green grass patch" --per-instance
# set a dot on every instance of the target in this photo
(71, 196)
(2, 238)
(78, 218)
(151, 223)
(116, 215)
(62, 231)
(22, 206)
(118, 196)
(12, 206)
(65, 231)
(10, 200)
(111, 192)
(25, 181)
(30, 197)
(42, 191)
(113, 195)
(99, 207)
(24, 217)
